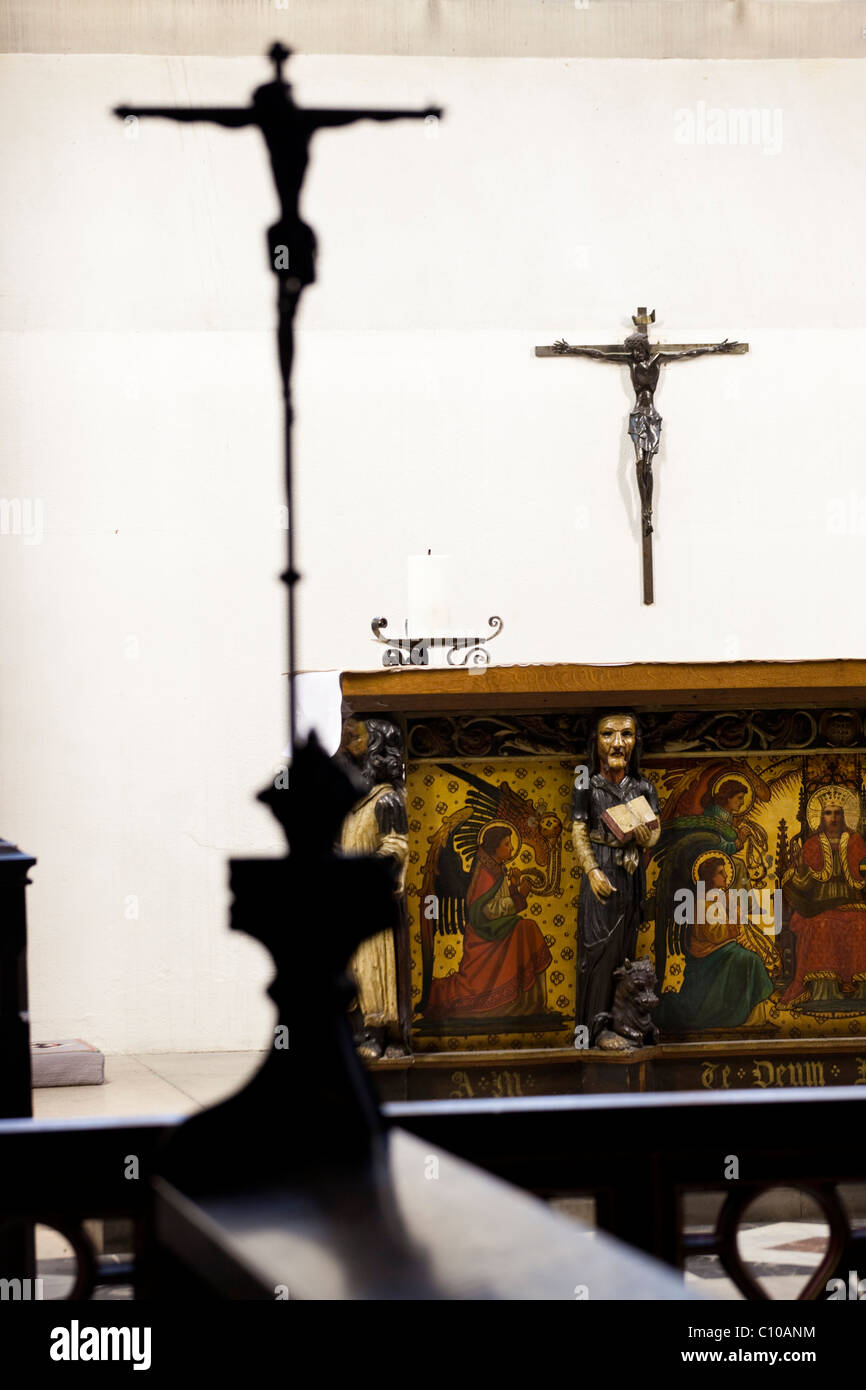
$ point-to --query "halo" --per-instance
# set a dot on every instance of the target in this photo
(834, 794)
(741, 782)
(714, 854)
(488, 825)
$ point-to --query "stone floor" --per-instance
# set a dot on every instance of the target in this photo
(780, 1253)
(151, 1083)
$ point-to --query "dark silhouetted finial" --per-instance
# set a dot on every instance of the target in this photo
(278, 54)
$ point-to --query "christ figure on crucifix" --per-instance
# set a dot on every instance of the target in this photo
(644, 422)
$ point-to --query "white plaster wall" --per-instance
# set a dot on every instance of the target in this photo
(142, 638)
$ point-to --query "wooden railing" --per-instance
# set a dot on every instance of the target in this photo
(639, 1156)
(462, 1237)
(64, 1173)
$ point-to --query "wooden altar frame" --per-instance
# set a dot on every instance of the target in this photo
(657, 685)
(404, 694)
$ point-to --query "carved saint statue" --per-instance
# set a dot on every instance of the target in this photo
(377, 825)
(614, 883)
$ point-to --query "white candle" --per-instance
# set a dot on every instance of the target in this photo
(430, 592)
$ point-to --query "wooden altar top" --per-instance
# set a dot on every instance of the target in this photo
(721, 684)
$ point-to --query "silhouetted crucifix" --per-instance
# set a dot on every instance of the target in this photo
(335, 1161)
(644, 424)
(287, 130)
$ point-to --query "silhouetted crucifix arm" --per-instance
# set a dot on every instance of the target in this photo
(219, 115)
(644, 363)
(238, 116)
(321, 119)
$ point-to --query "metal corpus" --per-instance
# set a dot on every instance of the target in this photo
(644, 362)
(415, 651)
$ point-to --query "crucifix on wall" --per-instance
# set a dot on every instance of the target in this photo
(644, 362)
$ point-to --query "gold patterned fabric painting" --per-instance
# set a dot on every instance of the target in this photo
(491, 892)
(766, 854)
(756, 898)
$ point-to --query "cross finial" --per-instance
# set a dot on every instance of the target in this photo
(642, 319)
(278, 54)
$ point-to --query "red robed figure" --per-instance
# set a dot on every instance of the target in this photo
(504, 955)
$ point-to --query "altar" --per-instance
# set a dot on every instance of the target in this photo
(759, 773)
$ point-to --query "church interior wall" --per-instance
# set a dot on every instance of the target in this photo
(143, 627)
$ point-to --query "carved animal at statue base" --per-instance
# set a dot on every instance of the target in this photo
(629, 1024)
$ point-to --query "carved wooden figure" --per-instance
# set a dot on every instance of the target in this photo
(377, 825)
(634, 999)
(613, 887)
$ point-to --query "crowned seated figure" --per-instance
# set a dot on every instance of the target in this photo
(826, 888)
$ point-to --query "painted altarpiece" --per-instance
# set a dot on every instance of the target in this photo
(781, 951)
